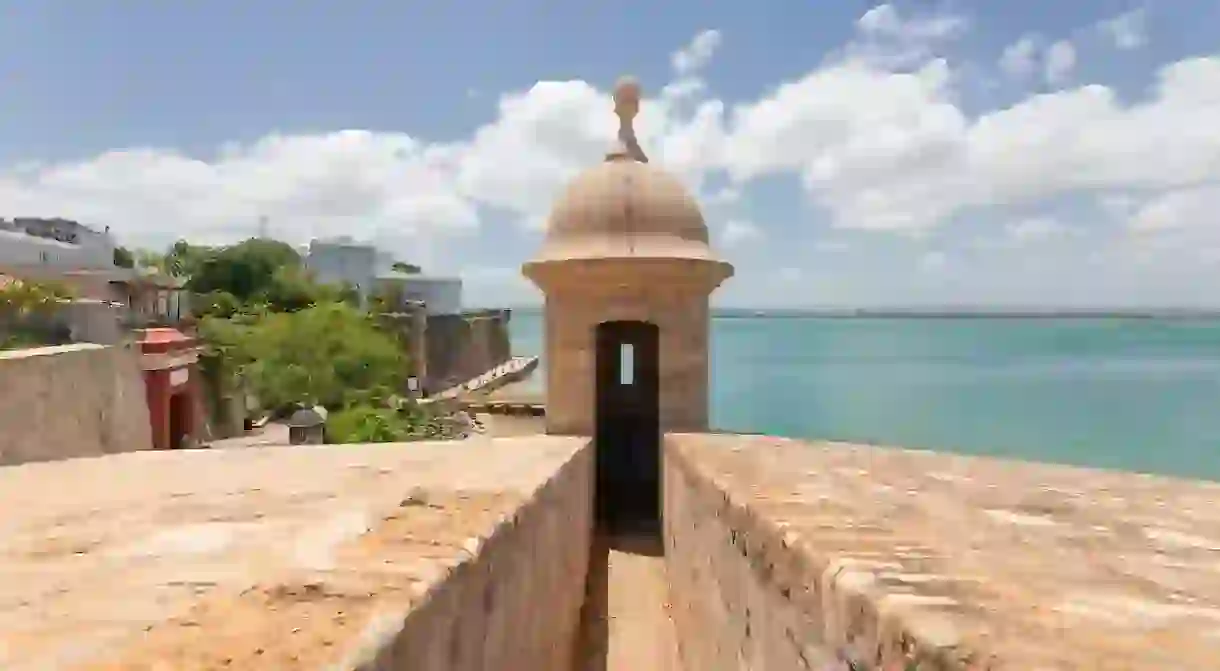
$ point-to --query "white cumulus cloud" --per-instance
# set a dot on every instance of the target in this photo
(879, 144)
(1060, 61)
(738, 231)
(888, 38)
(1035, 229)
(322, 185)
(695, 55)
(893, 151)
(1128, 30)
(1020, 59)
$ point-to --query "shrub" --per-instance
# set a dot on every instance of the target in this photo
(331, 355)
(367, 424)
(24, 311)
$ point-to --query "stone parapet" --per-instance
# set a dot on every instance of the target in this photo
(783, 554)
(426, 556)
(69, 401)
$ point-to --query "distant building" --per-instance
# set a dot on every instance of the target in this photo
(62, 250)
(440, 295)
(361, 266)
(343, 261)
(54, 243)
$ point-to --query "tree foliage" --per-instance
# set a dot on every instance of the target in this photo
(409, 421)
(23, 305)
(215, 304)
(21, 298)
(146, 258)
(330, 355)
(123, 258)
(185, 259)
(293, 342)
(290, 289)
(403, 267)
(247, 270)
(182, 259)
(368, 424)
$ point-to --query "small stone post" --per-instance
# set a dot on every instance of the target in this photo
(418, 348)
(307, 426)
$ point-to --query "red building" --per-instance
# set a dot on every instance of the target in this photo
(169, 359)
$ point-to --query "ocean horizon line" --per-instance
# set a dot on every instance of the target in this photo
(952, 312)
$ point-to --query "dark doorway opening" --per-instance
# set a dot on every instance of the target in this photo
(178, 420)
(627, 435)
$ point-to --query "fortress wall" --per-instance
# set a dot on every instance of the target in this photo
(457, 347)
(781, 553)
(464, 346)
(425, 556)
(517, 604)
(737, 594)
(71, 401)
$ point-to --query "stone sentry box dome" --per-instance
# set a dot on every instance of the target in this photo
(626, 207)
(626, 244)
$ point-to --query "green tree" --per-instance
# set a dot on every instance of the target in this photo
(291, 289)
(27, 298)
(347, 293)
(246, 270)
(146, 258)
(330, 354)
(215, 304)
(23, 305)
(403, 267)
(184, 259)
(123, 258)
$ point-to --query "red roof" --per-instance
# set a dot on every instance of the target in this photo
(163, 339)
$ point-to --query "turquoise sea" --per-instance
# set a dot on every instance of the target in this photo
(1134, 394)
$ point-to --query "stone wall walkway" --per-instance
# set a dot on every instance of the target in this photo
(626, 618)
(271, 435)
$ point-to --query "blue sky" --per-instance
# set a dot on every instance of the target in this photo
(846, 153)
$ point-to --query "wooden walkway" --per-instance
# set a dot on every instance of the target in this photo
(514, 370)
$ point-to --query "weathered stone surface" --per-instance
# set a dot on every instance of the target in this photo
(71, 401)
(426, 556)
(661, 292)
(461, 347)
(783, 553)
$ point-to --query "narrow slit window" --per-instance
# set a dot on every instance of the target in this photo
(626, 364)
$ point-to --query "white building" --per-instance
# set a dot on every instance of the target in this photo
(65, 251)
(54, 244)
(440, 295)
(343, 261)
(361, 266)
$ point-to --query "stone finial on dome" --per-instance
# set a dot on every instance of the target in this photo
(627, 96)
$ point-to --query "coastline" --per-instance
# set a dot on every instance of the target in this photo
(949, 312)
(521, 392)
(1026, 389)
